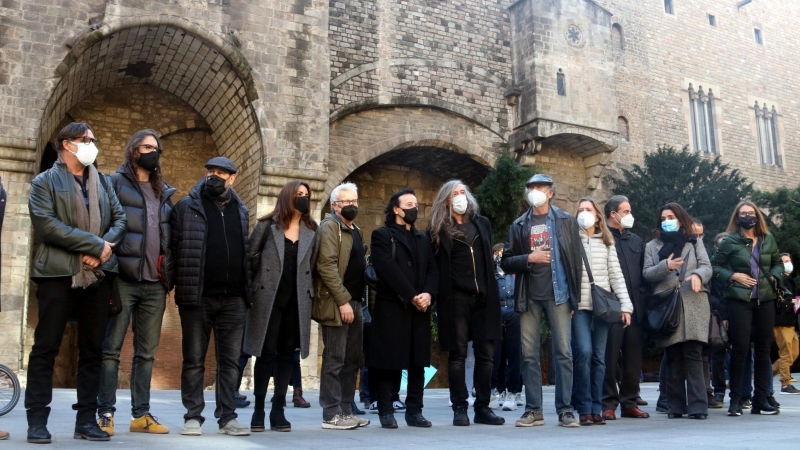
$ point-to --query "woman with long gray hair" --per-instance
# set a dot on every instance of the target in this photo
(468, 301)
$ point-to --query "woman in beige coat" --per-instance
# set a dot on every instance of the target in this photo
(589, 336)
(676, 245)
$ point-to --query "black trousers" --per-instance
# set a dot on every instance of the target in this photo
(745, 318)
(686, 387)
(717, 363)
(385, 382)
(507, 360)
(630, 342)
(468, 326)
(283, 336)
(57, 300)
(226, 316)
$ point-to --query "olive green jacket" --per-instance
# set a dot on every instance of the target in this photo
(334, 241)
(52, 209)
(733, 256)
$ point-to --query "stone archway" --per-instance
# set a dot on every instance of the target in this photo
(171, 60)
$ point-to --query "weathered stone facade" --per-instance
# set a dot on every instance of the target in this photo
(381, 92)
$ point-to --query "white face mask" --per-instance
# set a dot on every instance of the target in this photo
(788, 267)
(460, 204)
(537, 198)
(86, 153)
(626, 221)
(586, 219)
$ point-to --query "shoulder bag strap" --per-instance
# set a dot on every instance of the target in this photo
(586, 264)
(761, 271)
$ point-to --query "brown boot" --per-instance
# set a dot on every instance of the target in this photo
(298, 400)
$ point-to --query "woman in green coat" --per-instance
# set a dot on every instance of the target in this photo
(749, 266)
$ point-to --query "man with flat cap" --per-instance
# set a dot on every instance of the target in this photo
(543, 250)
(209, 245)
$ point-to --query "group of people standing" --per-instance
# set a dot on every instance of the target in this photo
(111, 248)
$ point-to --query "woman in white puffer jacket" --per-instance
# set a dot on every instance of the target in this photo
(589, 336)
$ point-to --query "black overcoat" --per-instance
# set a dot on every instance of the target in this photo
(401, 334)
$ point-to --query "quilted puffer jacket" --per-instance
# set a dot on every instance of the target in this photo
(605, 270)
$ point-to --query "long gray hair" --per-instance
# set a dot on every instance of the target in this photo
(442, 222)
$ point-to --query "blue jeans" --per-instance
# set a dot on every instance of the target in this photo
(143, 303)
(561, 326)
(589, 358)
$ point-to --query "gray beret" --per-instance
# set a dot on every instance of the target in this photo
(221, 162)
(539, 178)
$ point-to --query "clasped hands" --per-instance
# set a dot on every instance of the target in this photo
(94, 262)
(422, 301)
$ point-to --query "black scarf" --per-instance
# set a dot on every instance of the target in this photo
(673, 244)
(219, 201)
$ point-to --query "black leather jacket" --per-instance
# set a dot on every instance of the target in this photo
(52, 209)
(131, 251)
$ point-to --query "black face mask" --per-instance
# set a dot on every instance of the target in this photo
(148, 161)
(410, 215)
(748, 222)
(301, 204)
(215, 186)
(349, 212)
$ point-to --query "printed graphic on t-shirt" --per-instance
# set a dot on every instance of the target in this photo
(540, 237)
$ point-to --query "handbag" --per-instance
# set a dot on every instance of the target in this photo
(783, 296)
(370, 275)
(717, 335)
(605, 304)
(663, 315)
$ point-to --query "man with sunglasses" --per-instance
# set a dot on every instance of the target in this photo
(209, 245)
(78, 220)
(146, 272)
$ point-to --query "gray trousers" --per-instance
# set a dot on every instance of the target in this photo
(340, 361)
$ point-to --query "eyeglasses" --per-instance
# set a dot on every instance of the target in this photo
(149, 148)
(341, 203)
(85, 140)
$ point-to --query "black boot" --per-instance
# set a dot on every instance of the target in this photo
(277, 421)
(486, 416)
(38, 434)
(387, 420)
(257, 421)
(460, 417)
(417, 420)
(762, 406)
(91, 432)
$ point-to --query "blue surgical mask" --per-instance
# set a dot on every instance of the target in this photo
(670, 225)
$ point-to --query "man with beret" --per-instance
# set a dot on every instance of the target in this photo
(209, 245)
(543, 250)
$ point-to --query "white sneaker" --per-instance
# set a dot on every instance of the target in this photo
(496, 399)
(340, 422)
(373, 408)
(449, 402)
(471, 400)
(398, 405)
(234, 428)
(510, 403)
(191, 428)
(518, 399)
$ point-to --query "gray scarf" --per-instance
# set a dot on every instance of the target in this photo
(88, 221)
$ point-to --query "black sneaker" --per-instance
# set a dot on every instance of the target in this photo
(735, 408)
(772, 402)
(719, 397)
(486, 416)
(789, 389)
(747, 403)
(241, 402)
(355, 410)
(460, 417)
(762, 406)
(38, 434)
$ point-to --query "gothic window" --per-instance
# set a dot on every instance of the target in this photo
(701, 108)
(622, 127)
(767, 135)
(561, 83)
(669, 8)
(616, 37)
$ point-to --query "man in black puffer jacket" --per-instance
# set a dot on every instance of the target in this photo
(209, 243)
(145, 277)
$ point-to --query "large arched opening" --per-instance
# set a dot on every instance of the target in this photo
(189, 85)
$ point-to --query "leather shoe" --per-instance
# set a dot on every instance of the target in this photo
(635, 413)
(38, 434)
(675, 416)
(585, 420)
(597, 419)
(91, 432)
(297, 399)
(640, 402)
(417, 420)
(387, 420)
(609, 414)
(487, 417)
(460, 417)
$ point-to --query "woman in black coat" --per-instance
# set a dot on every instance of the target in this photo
(401, 320)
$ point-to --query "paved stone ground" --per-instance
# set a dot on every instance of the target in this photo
(658, 432)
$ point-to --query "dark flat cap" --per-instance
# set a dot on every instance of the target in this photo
(539, 178)
(221, 162)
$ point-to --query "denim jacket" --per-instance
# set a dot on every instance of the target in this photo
(560, 287)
